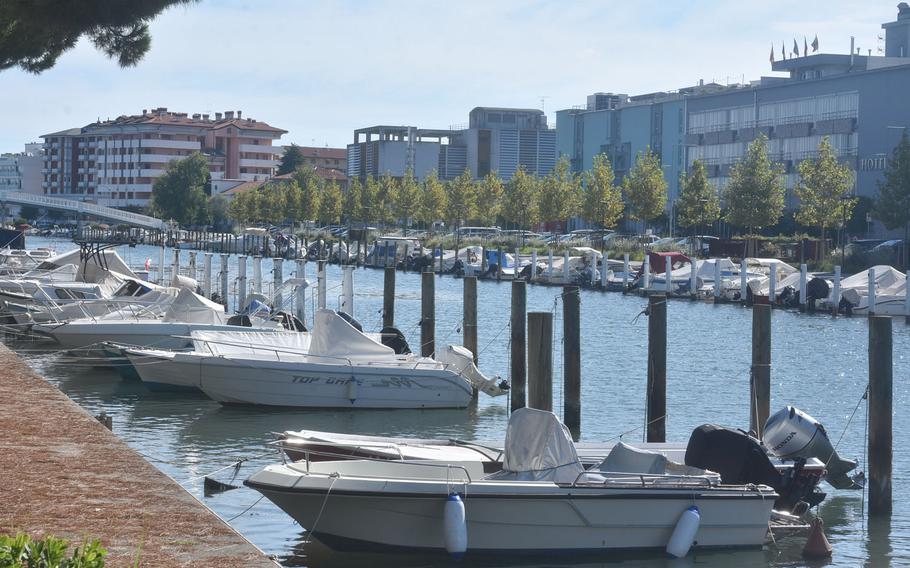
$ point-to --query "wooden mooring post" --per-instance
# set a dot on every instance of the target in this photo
(501, 261)
(388, 297)
(469, 329)
(224, 281)
(540, 360)
(519, 361)
(571, 330)
(760, 372)
(880, 413)
(320, 285)
(657, 369)
(427, 314)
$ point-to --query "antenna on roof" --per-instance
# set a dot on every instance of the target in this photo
(543, 103)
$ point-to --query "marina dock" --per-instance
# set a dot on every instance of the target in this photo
(66, 475)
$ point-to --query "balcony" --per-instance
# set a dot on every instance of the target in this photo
(175, 144)
(249, 163)
(81, 170)
(262, 149)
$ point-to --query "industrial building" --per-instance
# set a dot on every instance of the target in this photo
(857, 100)
(494, 140)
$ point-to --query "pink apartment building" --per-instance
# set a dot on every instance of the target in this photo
(115, 162)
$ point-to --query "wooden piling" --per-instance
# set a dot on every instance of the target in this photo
(300, 291)
(835, 296)
(224, 281)
(320, 285)
(657, 369)
(427, 314)
(571, 330)
(880, 415)
(540, 360)
(519, 362)
(501, 261)
(760, 372)
(241, 280)
(388, 297)
(469, 329)
(277, 281)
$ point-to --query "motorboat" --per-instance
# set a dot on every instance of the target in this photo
(890, 292)
(188, 311)
(334, 365)
(543, 500)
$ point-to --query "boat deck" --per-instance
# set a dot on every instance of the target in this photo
(66, 475)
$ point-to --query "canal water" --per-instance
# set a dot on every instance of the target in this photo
(819, 364)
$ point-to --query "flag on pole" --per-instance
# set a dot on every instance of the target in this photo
(805, 47)
(815, 44)
(772, 54)
(795, 48)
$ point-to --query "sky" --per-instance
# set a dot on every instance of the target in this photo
(322, 69)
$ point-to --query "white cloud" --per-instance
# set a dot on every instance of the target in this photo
(320, 70)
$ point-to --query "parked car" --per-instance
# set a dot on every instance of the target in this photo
(889, 246)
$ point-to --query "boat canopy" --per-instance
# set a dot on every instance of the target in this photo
(659, 264)
(189, 307)
(91, 267)
(333, 337)
(888, 281)
(538, 448)
(227, 343)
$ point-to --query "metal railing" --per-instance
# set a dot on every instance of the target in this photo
(110, 213)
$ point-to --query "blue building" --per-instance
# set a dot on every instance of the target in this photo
(858, 101)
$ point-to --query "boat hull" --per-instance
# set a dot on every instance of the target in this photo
(303, 384)
(552, 519)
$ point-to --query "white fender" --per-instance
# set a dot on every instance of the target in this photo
(684, 533)
(455, 530)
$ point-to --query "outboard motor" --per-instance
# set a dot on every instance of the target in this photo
(791, 433)
(289, 322)
(392, 337)
(354, 323)
(740, 459)
(241, 320)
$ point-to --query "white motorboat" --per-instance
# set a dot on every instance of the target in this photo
(890, 292)
(187, 312)
(543, 501)
(334, 366)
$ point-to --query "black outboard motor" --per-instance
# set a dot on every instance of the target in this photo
(354, 323)
(392, 337)
(288, 321)
(740, 459)
(490, 271)
(241, 320)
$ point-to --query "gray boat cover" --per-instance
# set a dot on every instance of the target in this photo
(538, 448)
(623, 458)
(189, 307)
(333, 337)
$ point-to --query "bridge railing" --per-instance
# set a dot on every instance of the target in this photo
(138, 219)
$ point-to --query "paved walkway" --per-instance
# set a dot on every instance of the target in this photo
(63, 473)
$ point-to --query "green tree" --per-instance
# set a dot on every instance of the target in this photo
(385, 199)
(559, 193)
(521, 206)
(35, 33)
(822, 189)
(754, 197)
(602, 203)
(352, 200)
(291, 160)
(433, 202)
(489, 199)
(180, 194)
(330, 203)
(218, 211)
(405, 199)
(369, 201)
(697, 203)
(310, 190)
(892, 207)
(645, 187)
(462, 199)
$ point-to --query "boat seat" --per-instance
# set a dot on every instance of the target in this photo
(623, 458)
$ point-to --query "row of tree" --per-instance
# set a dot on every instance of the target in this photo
(753, 198)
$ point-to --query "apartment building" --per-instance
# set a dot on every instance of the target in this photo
(115, 162)
(21, 171)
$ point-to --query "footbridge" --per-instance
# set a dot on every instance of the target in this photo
(73, 206)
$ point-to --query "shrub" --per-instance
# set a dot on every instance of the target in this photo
(49, 552)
